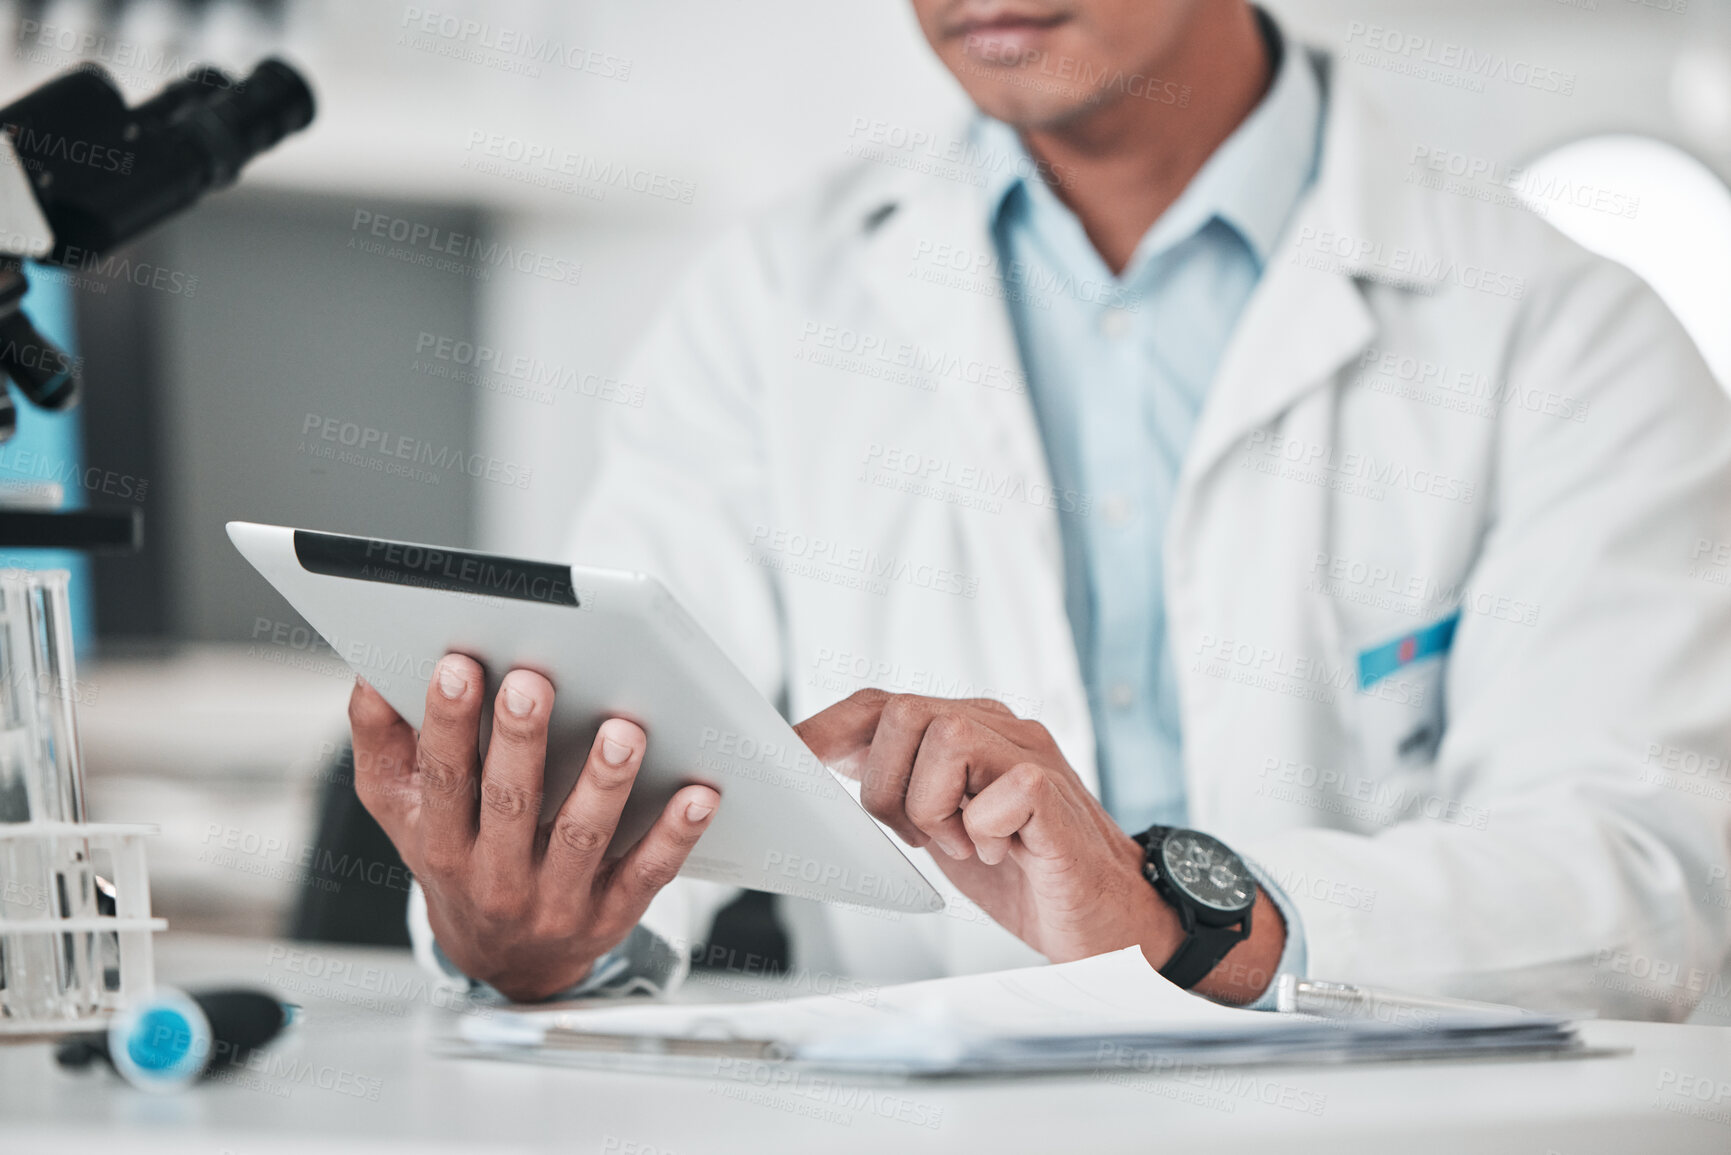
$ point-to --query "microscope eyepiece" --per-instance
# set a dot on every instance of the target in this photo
(103, 173)
(270, 104)
(231, 122)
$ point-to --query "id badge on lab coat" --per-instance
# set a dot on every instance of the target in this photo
(1400, 697)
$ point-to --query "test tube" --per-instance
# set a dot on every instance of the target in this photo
(44, 976)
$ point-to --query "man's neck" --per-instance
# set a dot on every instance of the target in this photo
(1125, 163)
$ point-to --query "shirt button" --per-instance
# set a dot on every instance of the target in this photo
(1116, 509)
(1115, 323)
(1121, 695)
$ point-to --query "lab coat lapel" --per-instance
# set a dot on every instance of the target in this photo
(965, 316)
(960, 312)
(1308, 317)
(1299, 328)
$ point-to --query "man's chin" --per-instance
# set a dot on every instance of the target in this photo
(1035, 111)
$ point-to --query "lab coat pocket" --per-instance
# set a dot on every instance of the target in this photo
(1400, 704)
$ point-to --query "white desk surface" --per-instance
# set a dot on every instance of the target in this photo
(358, 1074)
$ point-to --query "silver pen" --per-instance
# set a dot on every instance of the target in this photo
(1294, 995)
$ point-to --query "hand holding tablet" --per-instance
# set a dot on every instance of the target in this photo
(525, 907)
(523, 821)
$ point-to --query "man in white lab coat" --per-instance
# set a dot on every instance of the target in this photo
(1159, 453)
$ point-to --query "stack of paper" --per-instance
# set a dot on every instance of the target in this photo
(1112, 1011)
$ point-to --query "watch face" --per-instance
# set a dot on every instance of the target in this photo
(1208, 872)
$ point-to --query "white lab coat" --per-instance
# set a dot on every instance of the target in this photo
(1431, 402)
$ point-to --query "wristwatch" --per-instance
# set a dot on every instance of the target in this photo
(1210, 887)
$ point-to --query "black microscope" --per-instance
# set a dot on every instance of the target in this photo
(82, 173)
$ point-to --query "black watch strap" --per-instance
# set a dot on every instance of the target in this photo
(1202, 952)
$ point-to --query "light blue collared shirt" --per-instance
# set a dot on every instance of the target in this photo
(1117, 369)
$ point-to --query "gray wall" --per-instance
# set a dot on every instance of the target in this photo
(290, 320)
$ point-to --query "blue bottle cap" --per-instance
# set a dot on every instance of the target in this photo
(160, 1043)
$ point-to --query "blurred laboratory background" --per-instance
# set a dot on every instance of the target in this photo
(353, 276)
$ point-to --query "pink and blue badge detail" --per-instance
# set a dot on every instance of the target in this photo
(1430, 641)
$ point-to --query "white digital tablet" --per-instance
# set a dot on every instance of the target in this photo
(614, 644)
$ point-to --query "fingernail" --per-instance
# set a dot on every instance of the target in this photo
(451, 683)
(616, 753)
(698, 811)
(951, 850)
(517, 702)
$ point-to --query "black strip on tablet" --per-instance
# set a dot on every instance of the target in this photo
(433, 567)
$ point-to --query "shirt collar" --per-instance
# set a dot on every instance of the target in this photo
(1253, 181)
